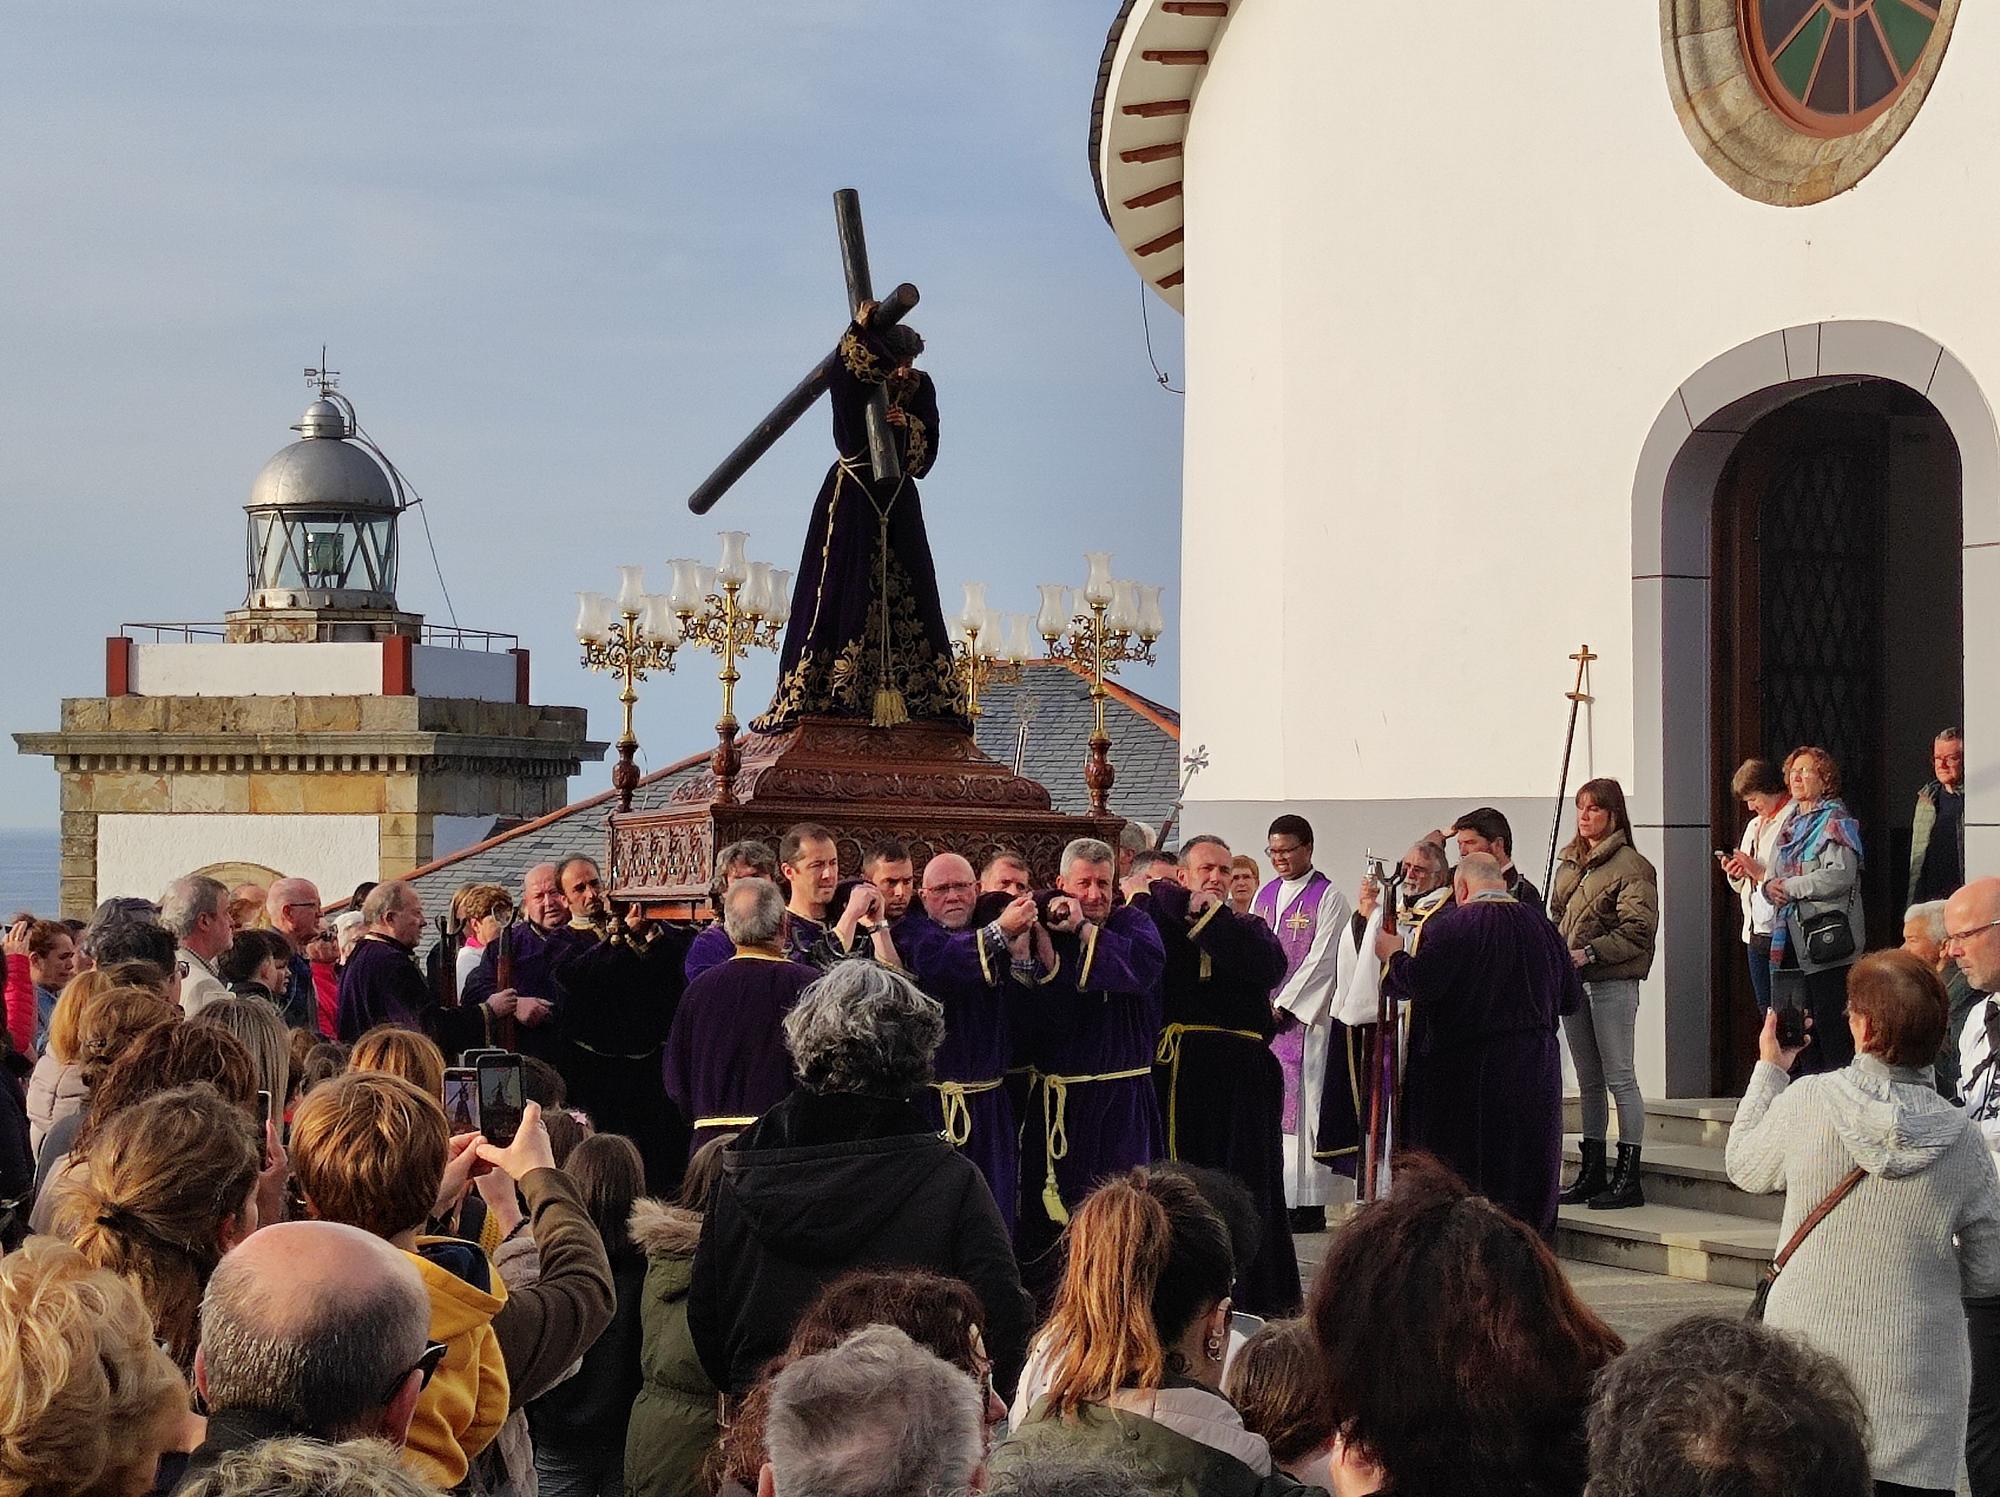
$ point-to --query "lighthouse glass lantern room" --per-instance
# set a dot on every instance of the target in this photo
(322, 520)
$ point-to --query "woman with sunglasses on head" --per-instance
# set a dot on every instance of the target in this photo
(1814, 885)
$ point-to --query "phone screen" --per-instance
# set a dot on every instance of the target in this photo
(461, 1099)
(501, 1099)
(263, 1115)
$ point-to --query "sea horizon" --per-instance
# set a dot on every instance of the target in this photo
(30, 857)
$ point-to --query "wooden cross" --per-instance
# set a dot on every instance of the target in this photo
(886, 467)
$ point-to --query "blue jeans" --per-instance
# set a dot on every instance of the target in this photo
(1760, 973)
(1600, 1043)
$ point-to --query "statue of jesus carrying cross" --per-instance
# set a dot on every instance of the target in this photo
(866, 637)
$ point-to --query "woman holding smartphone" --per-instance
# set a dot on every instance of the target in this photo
(1762, 790)
(1815, 889)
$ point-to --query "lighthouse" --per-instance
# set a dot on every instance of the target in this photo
(318, 729)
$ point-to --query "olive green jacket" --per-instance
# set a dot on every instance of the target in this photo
(1607, 900)
(674, 1417)
(1167, 1461)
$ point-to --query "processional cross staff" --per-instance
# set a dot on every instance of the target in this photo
(1378, 1143)
(1577, 698)
(882, 460)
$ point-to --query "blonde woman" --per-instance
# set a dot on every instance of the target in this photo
(92, 1026)
(91, 1403)
(170, 1185)
(263, 1033)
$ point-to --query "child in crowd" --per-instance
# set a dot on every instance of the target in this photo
(372, 1150)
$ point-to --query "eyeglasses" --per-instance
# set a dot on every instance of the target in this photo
(302, 904)
(1966, 935)
(1283, 852)
(427, 1365)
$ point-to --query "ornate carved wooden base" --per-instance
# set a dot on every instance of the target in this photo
(924, 783)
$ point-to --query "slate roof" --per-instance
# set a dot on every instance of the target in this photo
(1052, 698)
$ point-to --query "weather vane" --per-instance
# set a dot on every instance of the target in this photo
(327, 379)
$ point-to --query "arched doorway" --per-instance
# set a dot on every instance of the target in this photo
(1837, 620)
(1882, 394)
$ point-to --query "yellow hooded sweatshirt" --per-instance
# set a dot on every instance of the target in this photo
(465, 1404)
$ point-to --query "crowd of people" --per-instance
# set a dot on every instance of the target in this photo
(942, 1179)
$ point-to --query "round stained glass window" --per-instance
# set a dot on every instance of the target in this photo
(1831, 66)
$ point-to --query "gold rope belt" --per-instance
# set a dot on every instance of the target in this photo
(701, 1123)
(1169, 1055)
(1055, 1127)
(957, 1116)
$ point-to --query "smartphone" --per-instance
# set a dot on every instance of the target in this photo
(470, 1058)
(1791, 1027)
(501, 1098)
(263, 1115)
(461, 1099)
(1721, 856)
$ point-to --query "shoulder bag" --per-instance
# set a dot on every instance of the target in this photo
(1819, 1214)
(1826, 936)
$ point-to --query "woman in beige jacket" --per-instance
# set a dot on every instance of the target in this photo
(1605, 900)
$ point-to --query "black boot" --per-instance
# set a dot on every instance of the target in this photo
(1591, 1178)
(1624, 1189)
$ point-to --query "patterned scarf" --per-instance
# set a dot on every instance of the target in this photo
(1799, 842)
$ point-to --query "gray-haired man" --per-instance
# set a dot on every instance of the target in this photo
(195, 912)
(878, 1416)
(725, 1058)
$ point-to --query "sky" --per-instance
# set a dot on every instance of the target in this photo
(564, 260)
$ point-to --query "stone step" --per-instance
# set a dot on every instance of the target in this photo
(1691, 1176)
(1674, 1120)
(1706, 1246)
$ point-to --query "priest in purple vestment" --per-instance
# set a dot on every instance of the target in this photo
(726, 1061)
(1220, 1086)
(1091, 1111)
(1308, 915)
(966, 966)
(1482, 1080)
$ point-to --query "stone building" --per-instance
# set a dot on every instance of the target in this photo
(318, 729)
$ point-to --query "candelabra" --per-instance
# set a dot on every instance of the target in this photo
(734, 606)
(988, 649)
(631, 635)
(1096, 632)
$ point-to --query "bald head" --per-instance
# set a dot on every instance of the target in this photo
(950, 890)
(293, 909)
(1478, 873)
(1972, 937)
(542, 900)
(316, 1322)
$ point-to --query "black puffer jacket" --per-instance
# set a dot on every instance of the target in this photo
(823, 1184)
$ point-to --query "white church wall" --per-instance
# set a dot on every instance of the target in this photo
(140, 853)
(1433, 311)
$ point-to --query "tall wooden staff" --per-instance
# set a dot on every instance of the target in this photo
(1372, 1184)
(1577, 697)
(503, 978)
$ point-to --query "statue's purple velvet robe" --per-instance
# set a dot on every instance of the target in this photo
(1222, 1099)
(977, 1043)
(725, 1055)
(858, 576)
(1100, 1015)
(1482, 1080)
(538, 955)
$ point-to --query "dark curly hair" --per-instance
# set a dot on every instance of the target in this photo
(1456, 1356)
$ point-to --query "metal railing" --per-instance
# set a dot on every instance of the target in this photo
(445, 636)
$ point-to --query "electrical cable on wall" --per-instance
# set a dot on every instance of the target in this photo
(1146, 321)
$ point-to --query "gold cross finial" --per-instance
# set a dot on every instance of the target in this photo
(1582, 657)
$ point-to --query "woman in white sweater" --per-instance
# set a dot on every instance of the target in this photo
(1878, 1284)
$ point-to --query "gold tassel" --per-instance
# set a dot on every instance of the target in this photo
(890, 709)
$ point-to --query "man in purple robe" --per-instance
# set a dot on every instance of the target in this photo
(1308, 915)
(535, 946)
(966, 966)
(1221, 1089)
(1091, 1111)
(726, 1061)
(1482, 1080)
(382, 983)
(817, 936)
(736, 862)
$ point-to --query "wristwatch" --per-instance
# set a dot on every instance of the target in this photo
(866, 929)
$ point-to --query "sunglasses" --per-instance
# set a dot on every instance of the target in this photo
(426, 1366)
